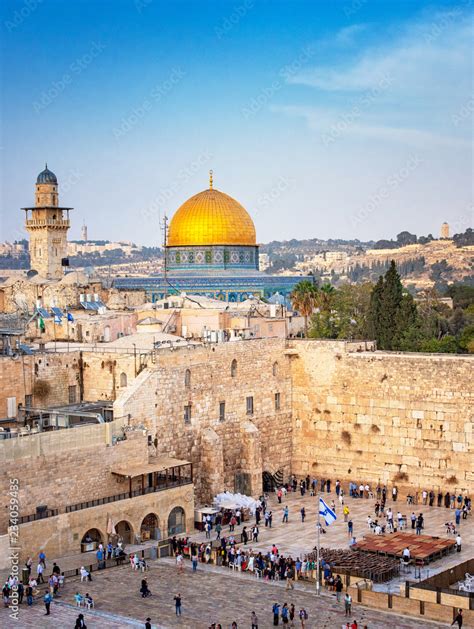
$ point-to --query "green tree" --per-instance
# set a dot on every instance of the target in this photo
(304, 299)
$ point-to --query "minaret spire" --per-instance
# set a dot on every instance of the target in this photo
(210, 179)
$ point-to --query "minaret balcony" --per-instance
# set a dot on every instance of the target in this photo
(57, 223)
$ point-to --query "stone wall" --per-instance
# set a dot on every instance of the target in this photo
(71, 466)
(388, 417)
(225, 453)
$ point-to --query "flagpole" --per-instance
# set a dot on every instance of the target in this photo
(318, 547)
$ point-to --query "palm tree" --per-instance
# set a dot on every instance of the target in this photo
(304, 298)
(326, 297)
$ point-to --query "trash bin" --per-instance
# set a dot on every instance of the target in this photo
(25, 576)
(153, 552)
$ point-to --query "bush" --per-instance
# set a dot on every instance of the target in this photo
(400, 477)
(375, 428)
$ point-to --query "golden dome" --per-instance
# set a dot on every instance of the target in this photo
(211, 218)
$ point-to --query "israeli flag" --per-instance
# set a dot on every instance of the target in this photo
(70, 317)
(327, 513)
(57, 320)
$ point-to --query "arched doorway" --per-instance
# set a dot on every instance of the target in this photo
(124, 531)
(90, 540)
(149, 528)
(176, 521)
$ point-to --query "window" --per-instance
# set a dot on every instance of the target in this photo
(275, 369)
(233, 368)
(187, 378)
(28, 401)
(221, 411)
(187, 414)
(250, 405)
(72, 394)
(277, 401)
(123, 379)
(11, 407)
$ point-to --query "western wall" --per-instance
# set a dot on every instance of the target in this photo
(383, 417)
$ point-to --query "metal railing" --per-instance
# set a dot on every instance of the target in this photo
(39, 515)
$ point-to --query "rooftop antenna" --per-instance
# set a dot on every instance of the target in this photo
(210, 179)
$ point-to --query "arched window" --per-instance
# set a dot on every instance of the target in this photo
(275, 369)
(233, 368)
(187, 378)
(123, 379)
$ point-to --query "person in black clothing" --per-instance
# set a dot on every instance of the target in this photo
(458, 619)
(148, 623)
(177, 604)
(245, 537)
(328, 486)
(440, 499)
(432, 497)
(21, 591)
(144, 589)
(56, 569)
(447, 500)
(80, 624)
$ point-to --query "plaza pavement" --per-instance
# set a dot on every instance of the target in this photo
(209, 595)
(216, 594)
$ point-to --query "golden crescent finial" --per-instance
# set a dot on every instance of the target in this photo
(210, 179)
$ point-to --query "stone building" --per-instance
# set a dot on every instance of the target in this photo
(48, 226)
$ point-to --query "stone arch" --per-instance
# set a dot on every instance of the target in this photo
(93, 534)
(124, 530)
(123, 379)
(275, 368)
(187, 378)
(150, 527)
(233, 368)
(176, 521)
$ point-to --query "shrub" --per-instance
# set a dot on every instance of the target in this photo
(452, 480)
(400, 476)
(374, 428)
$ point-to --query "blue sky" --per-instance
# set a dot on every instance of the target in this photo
(343, 118)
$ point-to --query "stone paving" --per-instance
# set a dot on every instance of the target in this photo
(297, 538)
(218, 595)
(210, 595)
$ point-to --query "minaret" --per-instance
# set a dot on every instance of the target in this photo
(445, 230)
(84, 232)
(47, 226)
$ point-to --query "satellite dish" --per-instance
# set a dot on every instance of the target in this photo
(31, 273)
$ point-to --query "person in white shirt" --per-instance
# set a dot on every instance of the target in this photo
(367, 490)
(39, 573)
(458, 543)
(406, 555)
